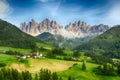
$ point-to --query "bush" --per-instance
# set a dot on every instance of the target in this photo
(106, 69)
(76, 54)
(2, 64)
(75, 64)
(13, 53)
(26, 62)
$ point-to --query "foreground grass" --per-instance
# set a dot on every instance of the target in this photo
(77, 73)
(62, 67)
(51, 64)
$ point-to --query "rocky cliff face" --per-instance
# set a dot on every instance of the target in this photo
(72, 30)
(35, 28)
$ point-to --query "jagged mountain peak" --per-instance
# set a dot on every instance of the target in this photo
(72, 30)
(32, 20)
(99, 28)
(46, 20)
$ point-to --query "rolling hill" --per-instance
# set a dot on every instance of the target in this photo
(62, 42)
(108, 43)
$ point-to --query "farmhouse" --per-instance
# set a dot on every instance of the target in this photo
(2, 51)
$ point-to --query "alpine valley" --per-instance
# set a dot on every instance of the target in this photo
(59, 39)
(96, 58)
(69, 36)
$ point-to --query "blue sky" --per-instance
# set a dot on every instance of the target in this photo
(63, 11)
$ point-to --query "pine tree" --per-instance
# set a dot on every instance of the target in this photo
(69, 78)
(54, 76)
(36, 77)
(1, 76)
(118, 68)
(60, 78)
(83, 66)
(44, 74)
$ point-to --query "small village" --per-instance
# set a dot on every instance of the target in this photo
(26, 55)
(30, 55)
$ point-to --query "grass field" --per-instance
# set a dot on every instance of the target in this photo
(63, 68)
(46, 46)
(51, 64)
(15, 49)
(7, 59)
(36, 64)
(77, 73)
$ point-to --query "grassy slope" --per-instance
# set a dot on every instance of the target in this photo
(39, 44)
(61, 66)
(63, 70)
(36, 64)
(15, 49)
(7, 59)
(79, 74)
(51, 64)
(44, 45)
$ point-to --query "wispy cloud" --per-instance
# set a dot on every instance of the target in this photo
(113, 16)
(44, 1)
(107, 14)
(65, 11)
(5, 9)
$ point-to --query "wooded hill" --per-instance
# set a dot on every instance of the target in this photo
(107, 44)
(12, 36)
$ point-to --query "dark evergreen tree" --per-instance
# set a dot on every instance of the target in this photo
(60, 78)
(83, 66)
(36, 77)
(69, 78)
(76, 54)
(54, 76)
(44, 74)
(118, 68)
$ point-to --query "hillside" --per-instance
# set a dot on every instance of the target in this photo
(46, 36)
(108, 44)
(61, 42)
(11, 36)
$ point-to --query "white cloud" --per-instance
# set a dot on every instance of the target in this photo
(5, 9)
(113, 16)
(43, 1)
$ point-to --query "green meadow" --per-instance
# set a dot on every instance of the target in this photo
(76, 72)
(7, 59)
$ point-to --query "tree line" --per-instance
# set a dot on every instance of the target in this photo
(43, 74)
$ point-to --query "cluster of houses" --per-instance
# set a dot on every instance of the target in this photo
(30, 55)
(2, 51)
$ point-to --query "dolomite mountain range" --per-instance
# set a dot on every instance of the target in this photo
(77, 29)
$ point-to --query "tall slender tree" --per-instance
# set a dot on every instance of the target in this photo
(83, 66)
